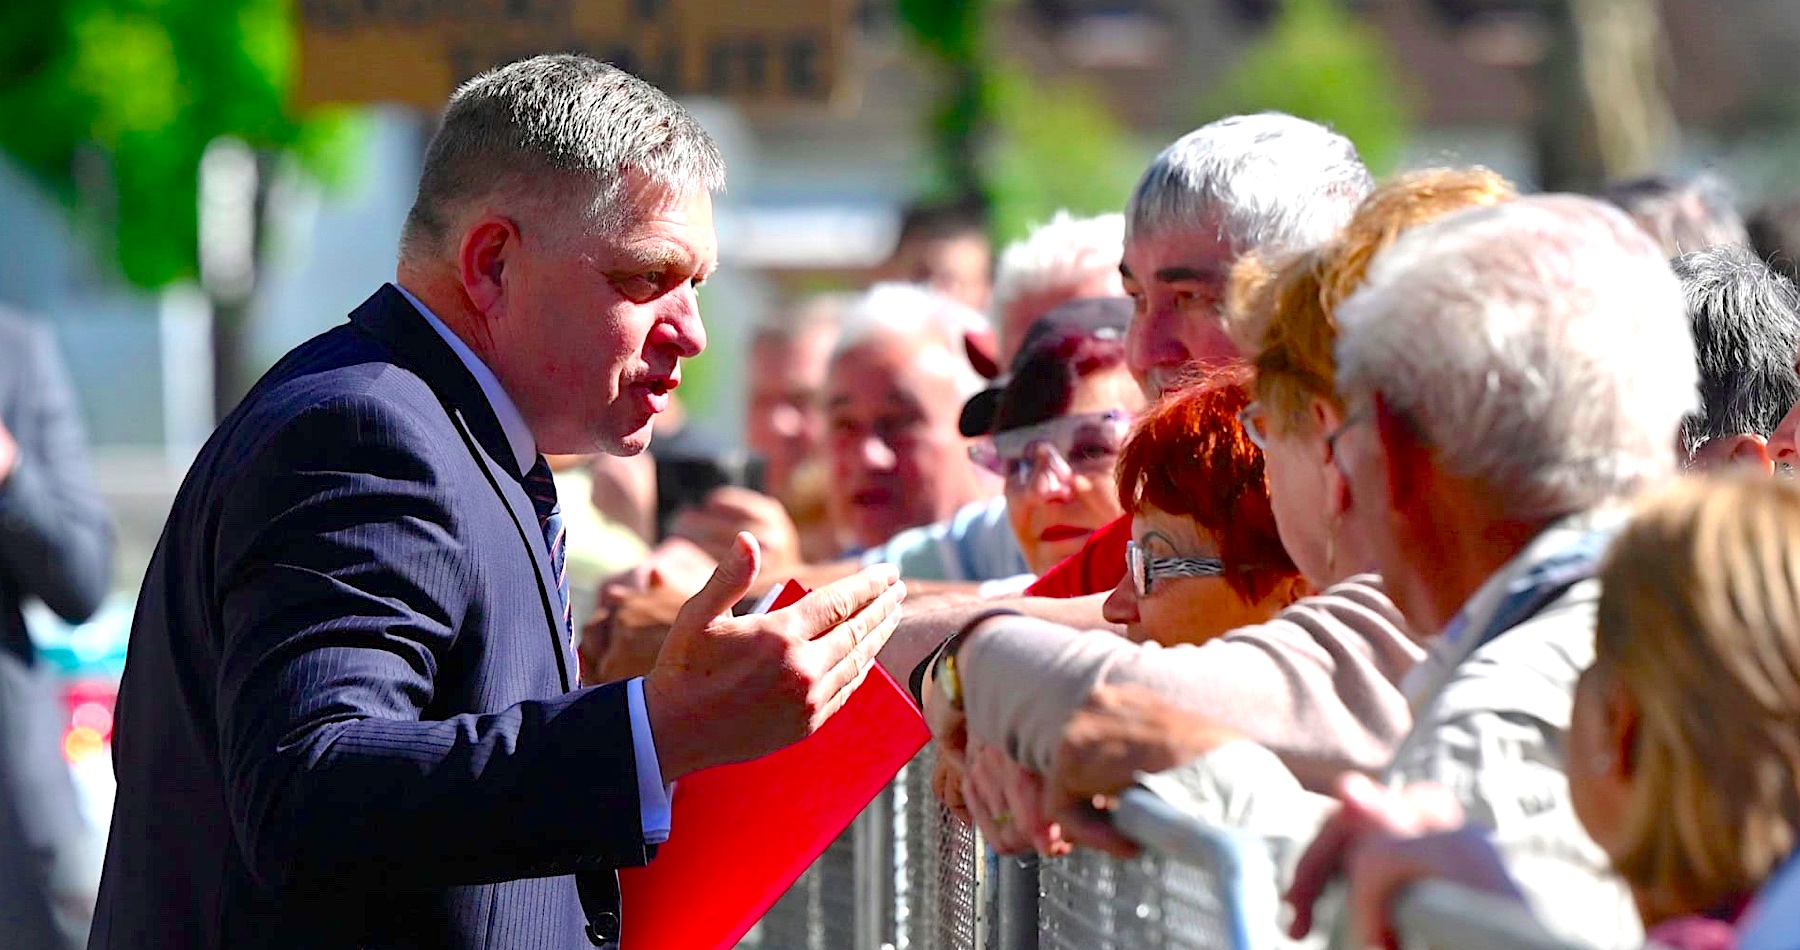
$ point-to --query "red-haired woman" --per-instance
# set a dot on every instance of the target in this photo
(1205, 556)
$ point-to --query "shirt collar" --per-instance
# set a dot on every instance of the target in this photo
(518, 434)
(1518, 573)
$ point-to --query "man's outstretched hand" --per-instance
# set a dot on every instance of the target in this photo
(728, 689)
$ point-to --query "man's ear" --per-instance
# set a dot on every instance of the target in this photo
(482, 257)
(1750, 451)
(1407, 457)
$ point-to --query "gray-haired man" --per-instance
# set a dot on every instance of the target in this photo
(349, 718)
(1265, 182)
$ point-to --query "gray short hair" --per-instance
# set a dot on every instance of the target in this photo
(911, 312)
(1268, 180)
(1066, 252)
(1746, 324)
(786, 324)
(551, 123)
(1682, 215)
(1540, 346)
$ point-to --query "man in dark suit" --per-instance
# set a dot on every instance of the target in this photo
(55, 546)
(349, 715)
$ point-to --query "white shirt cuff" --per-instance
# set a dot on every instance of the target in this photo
(653, 795)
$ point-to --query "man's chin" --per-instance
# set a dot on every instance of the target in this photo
(627, 445)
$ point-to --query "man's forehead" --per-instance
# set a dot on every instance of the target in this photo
(1198, 253)
(891, 369)
(665, 224)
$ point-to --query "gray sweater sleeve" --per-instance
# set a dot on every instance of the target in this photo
(56, 540)
(1318, 685)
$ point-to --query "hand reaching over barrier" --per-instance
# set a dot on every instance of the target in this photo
(729, 689)
(1120, 732)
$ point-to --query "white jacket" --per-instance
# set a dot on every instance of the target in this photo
(1489, 723)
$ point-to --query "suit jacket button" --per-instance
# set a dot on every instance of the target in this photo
(603, 929)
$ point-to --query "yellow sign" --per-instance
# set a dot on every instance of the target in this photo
(418, 51)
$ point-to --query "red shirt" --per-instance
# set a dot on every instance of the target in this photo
(1095, 569)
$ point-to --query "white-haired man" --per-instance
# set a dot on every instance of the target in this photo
(349, 716)
(1067, 258)
(1263, 182)
(896, 386)
(1266, 182)
(1510, 374)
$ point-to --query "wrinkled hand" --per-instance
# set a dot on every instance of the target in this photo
(727, 689)
(949, 728)
(676, 562)
(731, 510)
(1383, 865)
(635, 609)
(627, 630)
(1119, 732)
(1006, 801)
(947, 785)
(1367, 813)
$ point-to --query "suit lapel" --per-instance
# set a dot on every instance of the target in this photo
(389, 317)
(524, 518)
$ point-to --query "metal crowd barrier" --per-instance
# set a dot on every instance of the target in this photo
(908, 876)
(1435, 915)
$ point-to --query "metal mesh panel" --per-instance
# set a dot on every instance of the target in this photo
(1088, 901)
(939, 863)
(819, 911)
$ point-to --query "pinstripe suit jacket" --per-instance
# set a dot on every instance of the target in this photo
(348, 716)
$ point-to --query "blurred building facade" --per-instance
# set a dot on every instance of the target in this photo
(815, 195)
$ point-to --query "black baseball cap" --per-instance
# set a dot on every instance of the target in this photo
(1100, 317)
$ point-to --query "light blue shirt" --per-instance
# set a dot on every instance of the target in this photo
(976, 544)
(653, 795)
(1774, 923)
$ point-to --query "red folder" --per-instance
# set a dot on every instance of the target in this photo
(740, 835)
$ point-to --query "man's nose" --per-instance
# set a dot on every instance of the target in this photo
(876, 455)
(787, 421)
(1158, 340)
(1784, 444)
(680, 324)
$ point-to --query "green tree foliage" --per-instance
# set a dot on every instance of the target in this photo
(953, 34)
(1319, 62)
(1057, 146)
(1009, 141)
(135, 89)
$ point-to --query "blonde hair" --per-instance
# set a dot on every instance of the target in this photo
(1699, 620)
(1283, 309)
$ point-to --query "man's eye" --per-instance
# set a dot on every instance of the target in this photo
(642, 288)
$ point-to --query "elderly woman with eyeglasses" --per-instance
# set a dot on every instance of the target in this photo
(1055, 427)
(1204, 555)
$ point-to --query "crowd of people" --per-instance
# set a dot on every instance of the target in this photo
(1422, 527)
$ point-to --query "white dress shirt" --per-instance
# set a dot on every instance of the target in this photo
(653, 795)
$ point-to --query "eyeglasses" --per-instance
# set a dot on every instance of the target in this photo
(1086, 444)
(1144, 569)
(1252, 419)
(1344, 426)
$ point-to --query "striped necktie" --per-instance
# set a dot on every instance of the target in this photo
(542, 488)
